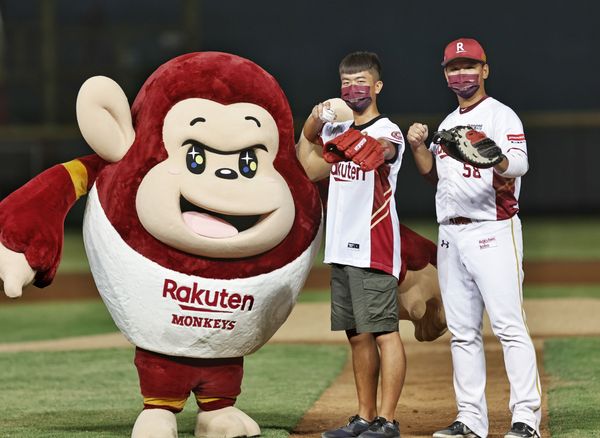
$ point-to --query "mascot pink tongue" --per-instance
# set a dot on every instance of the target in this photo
(207, 225)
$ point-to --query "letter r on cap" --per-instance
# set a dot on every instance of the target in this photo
(459, 47)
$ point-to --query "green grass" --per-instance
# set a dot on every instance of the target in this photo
(74, 258)
(96, 394)
(314, 296)
(574, 394)
(52, 320)
(562, 291)
(561, 238)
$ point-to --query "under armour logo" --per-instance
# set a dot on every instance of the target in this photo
(445, 244)
(460, 47)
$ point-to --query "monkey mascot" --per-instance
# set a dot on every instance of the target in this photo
(200, 228)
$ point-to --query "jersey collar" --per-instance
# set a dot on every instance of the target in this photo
(470, 107)
(369, 123)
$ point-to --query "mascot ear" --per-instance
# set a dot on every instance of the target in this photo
(104, 118)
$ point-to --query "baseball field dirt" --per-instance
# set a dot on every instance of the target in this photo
(427, 402)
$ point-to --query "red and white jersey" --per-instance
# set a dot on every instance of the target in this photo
(362, 224)
(480, 194)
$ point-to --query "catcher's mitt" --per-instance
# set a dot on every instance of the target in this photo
(353, 145)
(465, 144)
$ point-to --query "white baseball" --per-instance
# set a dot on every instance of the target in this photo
(328, 115)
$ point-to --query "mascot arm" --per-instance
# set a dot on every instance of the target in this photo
(419, 292)
(32, 218)
(417, 251)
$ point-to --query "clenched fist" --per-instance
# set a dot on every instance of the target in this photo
(417, 134)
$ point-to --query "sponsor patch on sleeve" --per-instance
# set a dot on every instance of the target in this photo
(516, 138)
(397, 135)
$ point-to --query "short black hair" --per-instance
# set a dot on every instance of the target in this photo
(361, 61)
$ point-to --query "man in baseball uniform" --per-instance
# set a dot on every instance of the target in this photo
(363, 240)
(480, 248)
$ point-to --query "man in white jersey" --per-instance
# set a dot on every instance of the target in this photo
(480, 248)
(363, 244)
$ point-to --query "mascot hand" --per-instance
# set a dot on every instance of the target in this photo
(15, 272)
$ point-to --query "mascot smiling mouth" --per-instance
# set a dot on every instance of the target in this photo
(209, 223)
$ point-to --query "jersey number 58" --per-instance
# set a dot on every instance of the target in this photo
(470, 171)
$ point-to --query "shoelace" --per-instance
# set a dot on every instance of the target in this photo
(457, 426)
(354, 418)
(522, 427)
(377, 423)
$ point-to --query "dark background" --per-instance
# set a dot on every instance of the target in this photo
(544, 60)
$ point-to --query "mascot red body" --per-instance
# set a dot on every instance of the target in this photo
(201, 227)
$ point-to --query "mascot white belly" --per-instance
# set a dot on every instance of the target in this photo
(169, 312)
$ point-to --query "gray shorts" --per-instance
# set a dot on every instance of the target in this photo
(363, 299)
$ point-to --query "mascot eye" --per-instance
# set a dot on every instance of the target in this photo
(248, 163)
(196, 159)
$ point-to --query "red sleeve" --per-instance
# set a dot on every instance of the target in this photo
(32, 218)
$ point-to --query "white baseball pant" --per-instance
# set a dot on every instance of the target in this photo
(480, 266)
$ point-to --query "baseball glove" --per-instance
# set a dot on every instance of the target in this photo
(353, 145)
(470, 146)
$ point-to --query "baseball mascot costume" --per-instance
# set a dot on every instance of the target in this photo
(200, 228)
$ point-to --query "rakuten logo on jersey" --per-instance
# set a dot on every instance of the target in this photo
(516, 138)
(346, 171)
(193, 298)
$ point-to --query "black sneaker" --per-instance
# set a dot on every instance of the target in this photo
(356, 425)
(456, 429)
(521, 430)
(382, 428)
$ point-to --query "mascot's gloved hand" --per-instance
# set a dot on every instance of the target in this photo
(361, 149)
(15, 272)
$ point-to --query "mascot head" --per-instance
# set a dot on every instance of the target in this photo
(204, 178)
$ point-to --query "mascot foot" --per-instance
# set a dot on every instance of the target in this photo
(227, 422)
(155, 423)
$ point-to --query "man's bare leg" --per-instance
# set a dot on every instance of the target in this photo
(365, 362)
(393, 372)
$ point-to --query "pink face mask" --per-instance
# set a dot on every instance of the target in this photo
(357, 97)
(465, 85)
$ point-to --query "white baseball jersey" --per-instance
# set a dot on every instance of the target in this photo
(362, 224)
(481, 194)
(480, 267)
